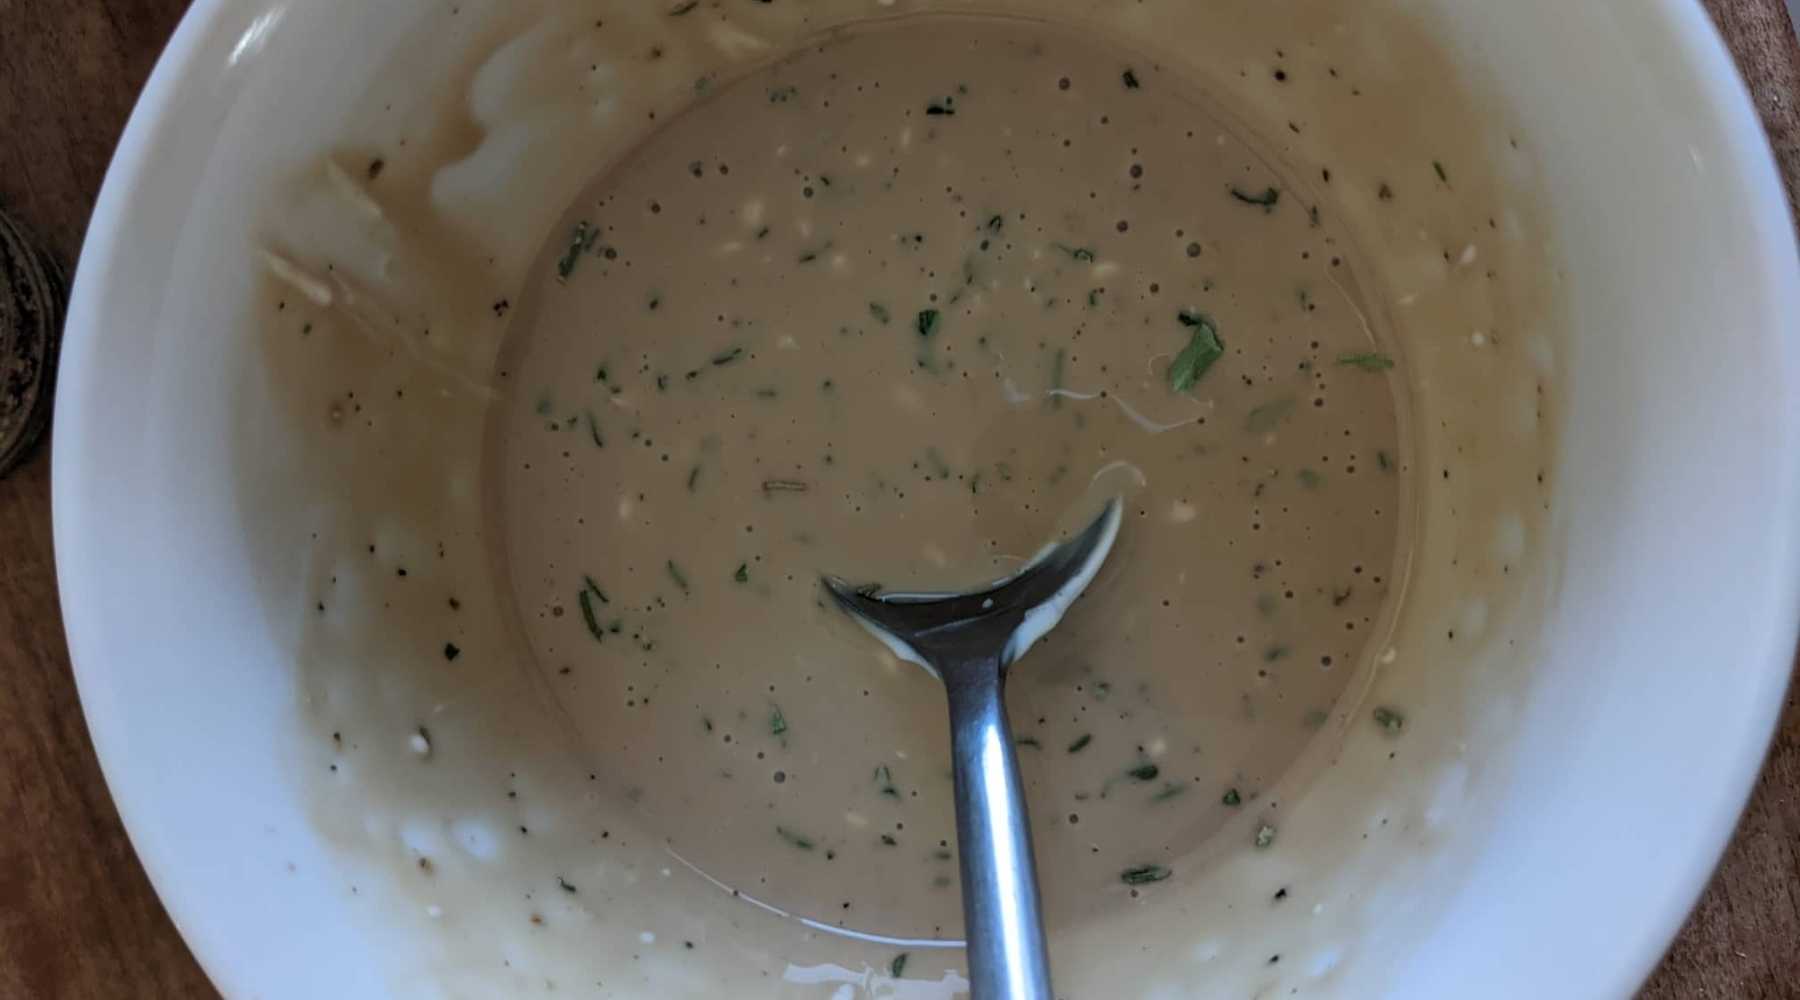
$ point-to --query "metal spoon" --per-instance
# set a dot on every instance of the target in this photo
(968, 641)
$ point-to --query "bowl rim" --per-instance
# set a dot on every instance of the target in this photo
(182, 67)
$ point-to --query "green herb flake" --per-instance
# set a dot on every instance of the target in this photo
(1093, 298)
(926, 322)
(586, 600)
(1274, 653)
(1382, 461)
(778, 724)
(1129, 79)
(784, 486)
(1369, 361)
(1203, 349)
(887, 840)
(587, 582)
(1029, 741)
(940, 469)
(1232, 797)
(1169, 790)
(1082, 254)
(1144, 772)
(1443, 175)
(727, 357)
(1081, 742)
(678, 576)
(580, 241)
(593, 426)
(884, 782)
(1390, 719)
(684, 8)
(743, 573)
(693, 479)
(995, 223)
(1268, 416)
(799, 840)
(1144, 874)
(880, 312)
(898, 965)
(1266, 199)
(1265, 836)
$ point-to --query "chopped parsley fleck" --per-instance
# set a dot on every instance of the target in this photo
(1369, 361)
(1144, 772)
(1390, 719)
(743, 573)
(1202, 350)
(678, 576)
(684, 8)
(799, 840)
(994, 223)
(1169, 790)
(1129, 79)
(884, 782)
(1082, 254)
(580, 240)
(1265, 836)
(727, 357)
(778, 724)
(1268, 416)
(926, 322)
(784, 486)
(593, 426)
(898, 965)
(1443, 175)
(1081, 742)
(1232, 797)
(1144, 874)
(1029, 741)
(782, 95)
(1267, 198)
(880, 312)
(586, 599)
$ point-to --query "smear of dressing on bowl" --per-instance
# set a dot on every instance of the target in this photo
(889, 308)
(606, 328)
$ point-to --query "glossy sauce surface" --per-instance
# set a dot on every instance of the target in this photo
(894, 308)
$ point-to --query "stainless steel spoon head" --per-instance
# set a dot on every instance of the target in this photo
(1009, 615)
(967, 641)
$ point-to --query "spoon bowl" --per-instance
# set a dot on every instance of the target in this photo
(969, 641)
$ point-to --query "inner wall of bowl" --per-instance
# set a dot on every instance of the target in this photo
(1551, 637)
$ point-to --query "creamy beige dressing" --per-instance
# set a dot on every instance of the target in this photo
(888, 308)
(538, 809)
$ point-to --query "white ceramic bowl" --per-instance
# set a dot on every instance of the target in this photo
(1666, 644)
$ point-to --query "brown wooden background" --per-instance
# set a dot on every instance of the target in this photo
(77, 917)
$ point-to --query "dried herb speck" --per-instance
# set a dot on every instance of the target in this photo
(1144, 874)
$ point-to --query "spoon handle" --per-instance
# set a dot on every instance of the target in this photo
(1003, 924)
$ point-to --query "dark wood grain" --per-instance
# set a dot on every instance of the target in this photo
(78, 919)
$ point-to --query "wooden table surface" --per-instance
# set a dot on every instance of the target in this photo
(78, 919)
